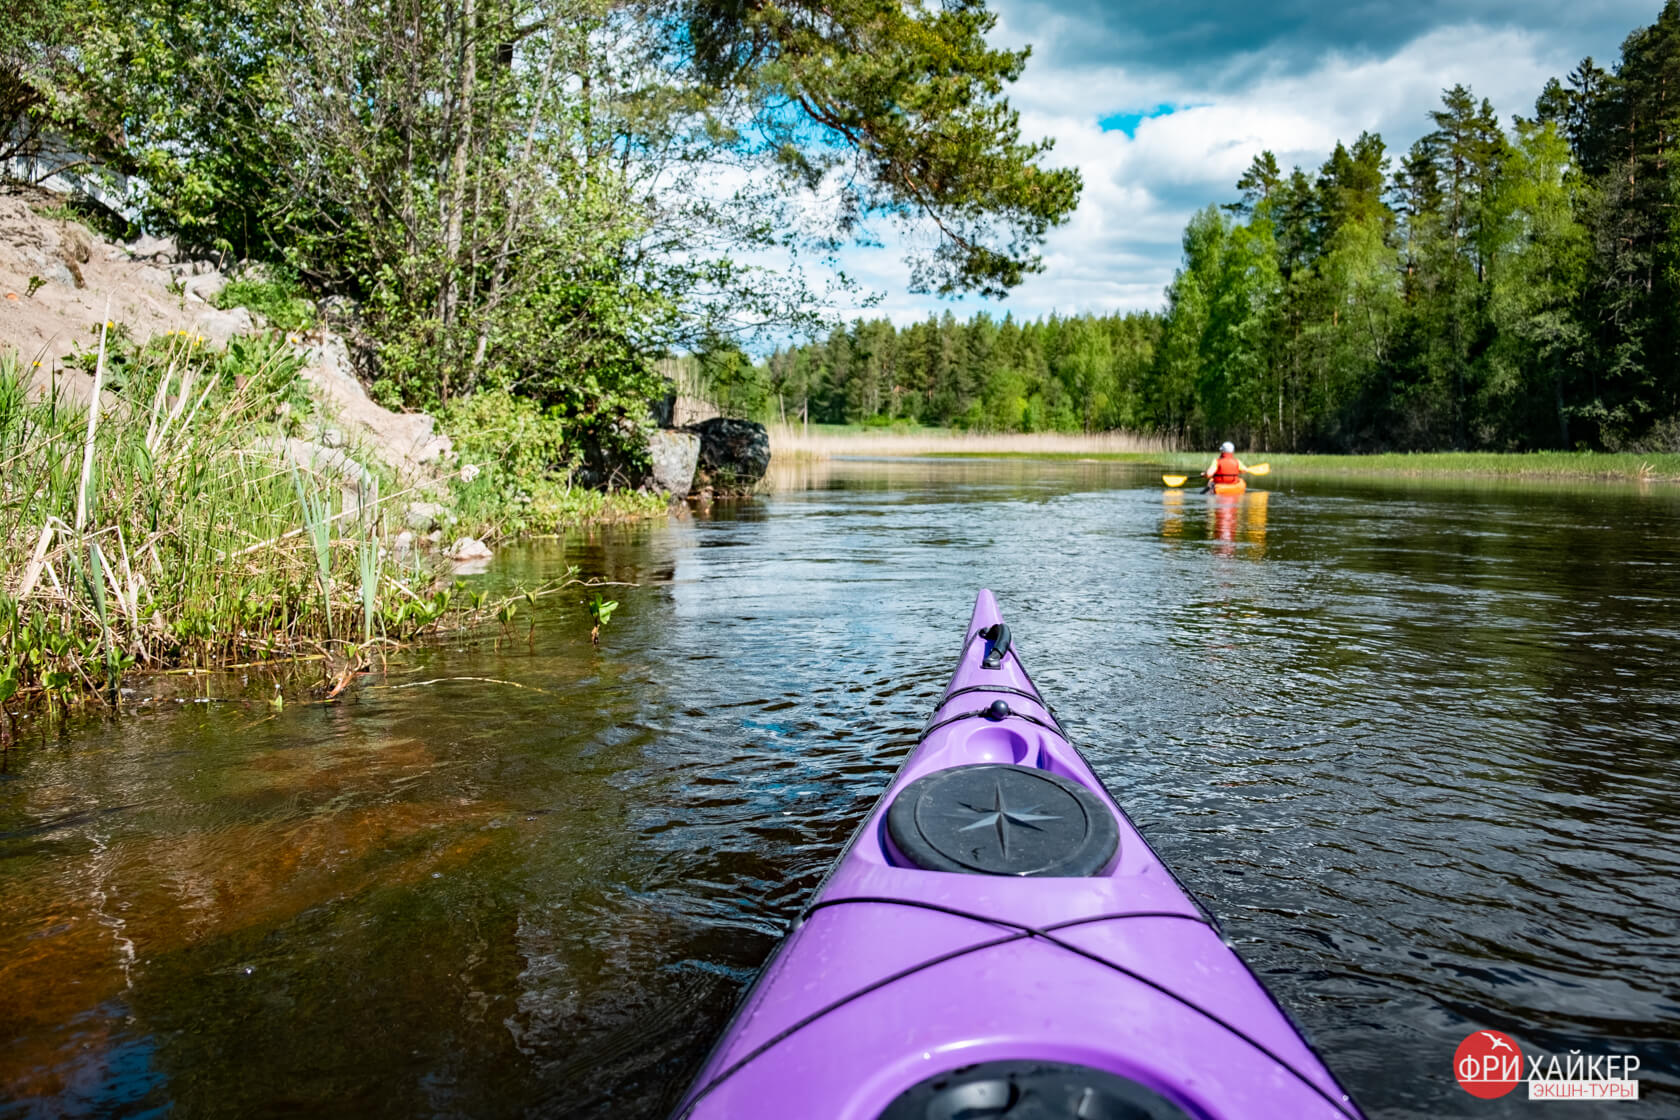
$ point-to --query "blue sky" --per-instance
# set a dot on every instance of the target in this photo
(1161, 107)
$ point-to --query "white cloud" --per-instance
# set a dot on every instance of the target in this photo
(1120, 248)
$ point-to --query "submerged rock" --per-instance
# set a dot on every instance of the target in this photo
(468, 549)
(734, 454)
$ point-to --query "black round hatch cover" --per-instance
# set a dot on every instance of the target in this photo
(997, 819)
(1023, 1090)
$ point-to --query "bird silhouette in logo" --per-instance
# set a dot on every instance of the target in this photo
(1498, 1043)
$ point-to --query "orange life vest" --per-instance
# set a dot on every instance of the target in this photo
(1225, 470)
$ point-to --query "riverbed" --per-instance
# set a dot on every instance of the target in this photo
(1415, 743)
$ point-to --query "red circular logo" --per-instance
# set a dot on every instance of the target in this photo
(1488, 1064)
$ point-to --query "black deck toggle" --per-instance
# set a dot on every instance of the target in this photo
(998, 643)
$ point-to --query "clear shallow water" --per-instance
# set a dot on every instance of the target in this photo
(1416, 745)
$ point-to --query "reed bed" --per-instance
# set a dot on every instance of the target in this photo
(162, 523)
(828, 442)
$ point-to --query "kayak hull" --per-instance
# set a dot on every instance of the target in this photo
(896, 974)
(1237, 487)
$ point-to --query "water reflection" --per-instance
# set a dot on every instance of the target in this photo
(1230, 520)
(1415, 743)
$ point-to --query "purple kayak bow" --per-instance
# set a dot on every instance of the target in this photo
(999, 940)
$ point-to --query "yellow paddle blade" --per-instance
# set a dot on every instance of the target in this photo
(1260, 468)
(1174, 479)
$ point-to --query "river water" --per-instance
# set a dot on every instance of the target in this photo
(1415, 744)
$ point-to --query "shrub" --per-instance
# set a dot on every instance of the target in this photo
(274, 294)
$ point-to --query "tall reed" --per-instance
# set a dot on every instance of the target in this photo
(826, 442)
(164, 523)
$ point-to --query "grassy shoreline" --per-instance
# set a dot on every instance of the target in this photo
(1121, 447)
(176, 519)
(821, 441)
(1534, 465)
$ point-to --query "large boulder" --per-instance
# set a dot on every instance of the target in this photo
(674, 457)
(734, 454)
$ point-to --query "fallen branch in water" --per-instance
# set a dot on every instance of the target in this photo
(482, 680)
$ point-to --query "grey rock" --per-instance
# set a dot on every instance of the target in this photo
(674, 456)
(340, 311)
(221, 327)
(156, 277)
(147, 248)
(402, 545)
(734, 454)
(405, 441)
(329, 465)
(206, 287)
(423, 517)
(332, 437)
(59, 273)
(468, 549)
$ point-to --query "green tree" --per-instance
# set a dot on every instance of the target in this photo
(907, 98)
(1543, 249)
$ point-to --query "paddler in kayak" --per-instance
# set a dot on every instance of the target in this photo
(1224, 475)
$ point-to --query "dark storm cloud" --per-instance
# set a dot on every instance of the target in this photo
(1223, 42)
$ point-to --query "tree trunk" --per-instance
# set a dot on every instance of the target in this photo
(450, 296)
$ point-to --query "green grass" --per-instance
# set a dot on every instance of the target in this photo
(1538, 465)
(1060, 456)
(171, 530)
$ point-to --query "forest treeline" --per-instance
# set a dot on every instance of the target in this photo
(1497, 287)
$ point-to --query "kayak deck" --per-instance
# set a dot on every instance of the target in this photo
(896, 975)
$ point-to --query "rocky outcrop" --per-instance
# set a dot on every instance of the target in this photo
(734, 454)
(674, 456)
(408, 442)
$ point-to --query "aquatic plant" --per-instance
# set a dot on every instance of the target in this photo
(600, 612)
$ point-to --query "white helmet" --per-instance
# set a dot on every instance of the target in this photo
(1228, 447)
